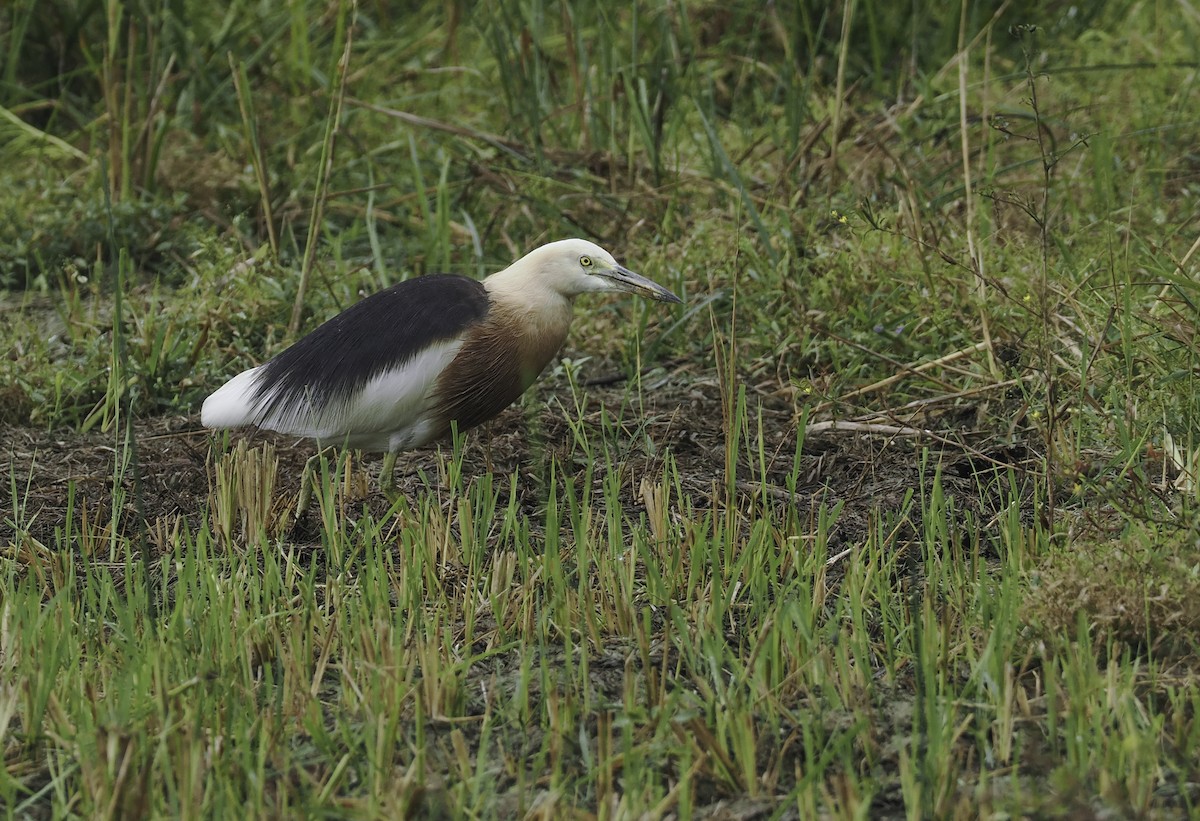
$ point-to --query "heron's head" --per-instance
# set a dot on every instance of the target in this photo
(576, 266)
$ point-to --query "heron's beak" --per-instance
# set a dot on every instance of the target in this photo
(623, 279)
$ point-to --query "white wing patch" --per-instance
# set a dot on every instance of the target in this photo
(391, 408)
(391, 405)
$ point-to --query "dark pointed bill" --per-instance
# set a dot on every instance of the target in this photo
(625, 280)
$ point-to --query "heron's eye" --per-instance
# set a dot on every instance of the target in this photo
(586, 262)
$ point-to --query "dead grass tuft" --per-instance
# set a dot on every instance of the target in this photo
(15, 405)
(1131, 592)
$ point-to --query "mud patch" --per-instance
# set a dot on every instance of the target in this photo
(867, 474)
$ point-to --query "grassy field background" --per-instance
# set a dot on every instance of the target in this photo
(893, 517)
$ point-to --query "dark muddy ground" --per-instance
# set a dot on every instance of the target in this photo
(868, 471)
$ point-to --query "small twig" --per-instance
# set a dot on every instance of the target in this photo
(908, 370)
(832, 560)
(920, 404)
(895, 363)
(1180, 272)
(882, 429)
(866, 427)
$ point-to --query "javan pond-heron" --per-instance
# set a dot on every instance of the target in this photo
(396, 370)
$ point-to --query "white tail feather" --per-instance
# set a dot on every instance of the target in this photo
(233, 404)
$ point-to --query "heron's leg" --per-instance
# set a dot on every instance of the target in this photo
(308, 480)
(387, 478)
(487, 447)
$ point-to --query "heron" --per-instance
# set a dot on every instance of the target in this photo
(404, 366)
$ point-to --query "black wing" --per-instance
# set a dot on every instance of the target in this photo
(381, 332)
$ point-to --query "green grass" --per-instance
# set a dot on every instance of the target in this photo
(894, 517)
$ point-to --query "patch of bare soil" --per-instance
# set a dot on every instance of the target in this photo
(869, 472)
